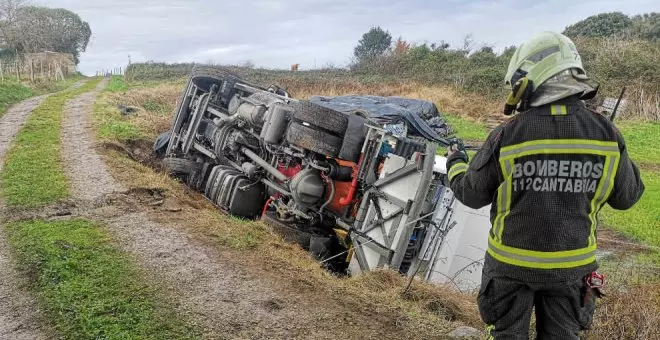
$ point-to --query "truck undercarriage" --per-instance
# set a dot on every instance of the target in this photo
(341, 184)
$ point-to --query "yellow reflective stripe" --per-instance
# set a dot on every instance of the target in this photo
(560, 146)
(457, 169)
(504, 193)
(561, 141)
(489, 330)
(540, 259)
(603, 191)
(558, 110)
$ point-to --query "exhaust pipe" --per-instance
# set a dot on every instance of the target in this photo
(262, 163)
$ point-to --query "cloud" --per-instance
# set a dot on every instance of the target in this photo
(310, 32)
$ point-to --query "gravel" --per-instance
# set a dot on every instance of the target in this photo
(88, 175)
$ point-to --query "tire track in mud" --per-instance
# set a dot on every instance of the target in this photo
(19, 313)
(215, 294)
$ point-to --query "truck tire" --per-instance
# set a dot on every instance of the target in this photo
(197, 179)
(211, 179)
(314, 140)
(161, 143)
(289, 233)
(205, 76)
(321, 117)
(356, 133)
(179, 166)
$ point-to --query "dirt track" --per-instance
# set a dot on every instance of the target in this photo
(19, 315)
(91, 180)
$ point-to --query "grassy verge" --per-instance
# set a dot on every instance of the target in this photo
(44, 87)
(111, 125)
(642, 222)
(33, 174)
(12, 92)
(155, 105)
(467, 129)
(642, 140)
(116, 84)
(92, 290)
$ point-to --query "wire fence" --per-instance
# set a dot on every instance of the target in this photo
(117, 71)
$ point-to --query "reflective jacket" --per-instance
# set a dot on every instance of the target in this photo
(547, 173)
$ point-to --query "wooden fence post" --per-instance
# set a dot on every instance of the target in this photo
(32, 70)
(18, 72)
(41, 65)
(59, 70)
(2, 74)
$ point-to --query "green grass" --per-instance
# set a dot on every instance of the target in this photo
(467, 129)
(117, 84)
(111, 125)
(643, 140)
(12, 92)
(90, 289)
(33, 174)
(44, 87)
(642, 222)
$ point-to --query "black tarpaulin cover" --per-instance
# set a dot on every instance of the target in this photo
(421, 116)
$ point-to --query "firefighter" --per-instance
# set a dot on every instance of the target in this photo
(547, 173)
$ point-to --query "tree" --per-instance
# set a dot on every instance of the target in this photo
(373, 44)
(647, 26)
(9, 9)
(37, 29)
(643, 26)
(601, 25)
(442, 45)
(8, 32)
(484, 57)
(401, 47)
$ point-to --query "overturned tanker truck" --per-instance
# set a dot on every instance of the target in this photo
(354, 180)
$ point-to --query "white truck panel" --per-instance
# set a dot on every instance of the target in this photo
(459, 259)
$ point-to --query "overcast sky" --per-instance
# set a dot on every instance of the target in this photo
(276, 34)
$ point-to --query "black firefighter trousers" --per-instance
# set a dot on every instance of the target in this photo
(561, 310)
